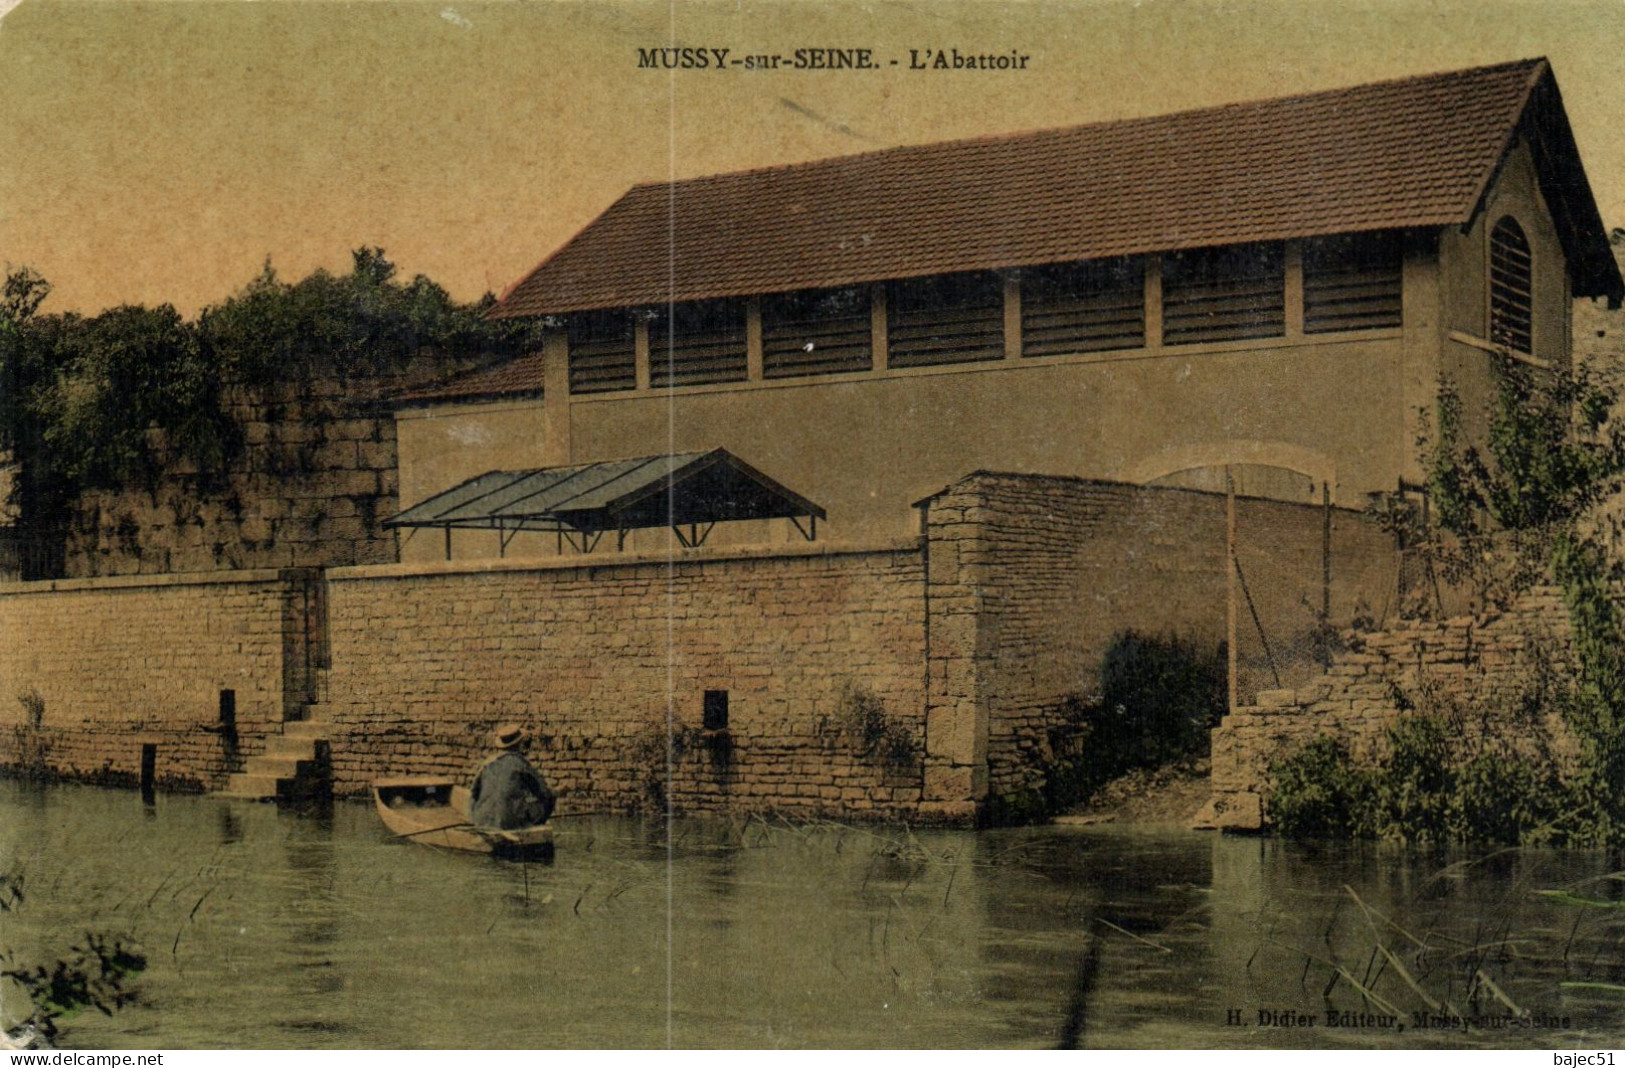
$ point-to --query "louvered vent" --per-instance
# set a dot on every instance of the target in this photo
(952, 318)
(816, 332)
(1510, 287)
(1083, 307)
(697, 343)
(1352, 282)
(1224, 294)
(603, 356)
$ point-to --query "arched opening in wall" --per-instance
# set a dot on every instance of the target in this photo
(1293, 578)
(1251, 480)
(1511, 287)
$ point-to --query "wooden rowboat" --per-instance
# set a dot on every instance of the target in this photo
(435, 812)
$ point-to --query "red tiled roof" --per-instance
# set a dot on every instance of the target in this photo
(520, 375)
(1415, 152)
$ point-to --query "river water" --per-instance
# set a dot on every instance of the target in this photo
(267, 928)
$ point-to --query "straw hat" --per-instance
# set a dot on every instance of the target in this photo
(508, 736)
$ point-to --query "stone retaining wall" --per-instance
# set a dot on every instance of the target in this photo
(922, 679)
(1037, 576)
(315, 476)
(119, 663)
(820, 655)
(1487, 669)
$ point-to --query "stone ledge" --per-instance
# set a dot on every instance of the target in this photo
(587, 561)
(127, 582)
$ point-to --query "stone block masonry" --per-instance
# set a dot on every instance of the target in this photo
(819, 654)
(921, 680)
(122, 663)
(1487, 667)
(1031, 578)
(314, 478)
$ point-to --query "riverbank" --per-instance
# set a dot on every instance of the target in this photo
(1167, 796)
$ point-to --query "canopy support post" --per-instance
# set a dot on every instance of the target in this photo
(695, 536)
(507, 536)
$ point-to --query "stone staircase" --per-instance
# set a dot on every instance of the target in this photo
(296, 766)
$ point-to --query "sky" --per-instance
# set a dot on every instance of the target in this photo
(161, 152)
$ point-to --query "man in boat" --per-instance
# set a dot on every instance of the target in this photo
(508, 793)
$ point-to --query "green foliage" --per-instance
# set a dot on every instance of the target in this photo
(364, 322)
(1594, 708)
(117, 376)
(1503, 517)
(33, 708)
(1318, 793)
(861, 718)
(657, 752)
(95, 975)
(1498, 798)
(21, 364)
(1412, 792)
(1550, 453)
(30, 747)
(1423, 793)
(1160, 696)
(103, 400)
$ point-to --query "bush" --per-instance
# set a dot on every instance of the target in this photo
(1421, 793)
(1413, 788)
(1318, 793)
(1500, 799)
(1160, 696)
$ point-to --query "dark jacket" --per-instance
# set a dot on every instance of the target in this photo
(508, 793)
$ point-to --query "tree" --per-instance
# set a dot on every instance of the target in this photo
(1551, 457)
(109, 400)
(26, 371)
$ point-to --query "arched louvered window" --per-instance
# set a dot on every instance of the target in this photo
(1510, 287)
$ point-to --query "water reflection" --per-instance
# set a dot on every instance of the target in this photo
(272, 928)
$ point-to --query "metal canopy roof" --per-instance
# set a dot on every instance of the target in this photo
(580, 503)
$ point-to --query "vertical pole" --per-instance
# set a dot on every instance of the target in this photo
(1230, 581)
(149, 771)
(308, 637)
(640, 352)
(448, 543)
(1326, 572)
(1293, 265)
(1153, 302)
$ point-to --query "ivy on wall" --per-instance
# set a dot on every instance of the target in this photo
(85, 401)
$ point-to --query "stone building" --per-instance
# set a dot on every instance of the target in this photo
(1272, 290)
(1005, 375)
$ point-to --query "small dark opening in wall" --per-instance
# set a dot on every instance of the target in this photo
(149, 770)
(716, 710)
(228, 708)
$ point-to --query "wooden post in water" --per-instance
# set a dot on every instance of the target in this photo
(149, 771)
